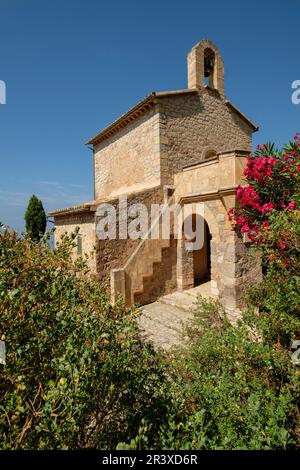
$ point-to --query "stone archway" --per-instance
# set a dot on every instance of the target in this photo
(194, 250)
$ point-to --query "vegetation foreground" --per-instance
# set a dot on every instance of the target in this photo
(77, 375)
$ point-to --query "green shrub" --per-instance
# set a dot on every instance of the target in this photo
(229, 390)
(274, 307)
(76, 375)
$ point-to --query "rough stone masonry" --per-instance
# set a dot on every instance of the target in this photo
(183, 147)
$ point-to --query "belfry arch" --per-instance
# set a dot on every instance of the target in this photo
(205, 63)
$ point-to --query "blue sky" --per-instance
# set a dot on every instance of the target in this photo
(71, 67)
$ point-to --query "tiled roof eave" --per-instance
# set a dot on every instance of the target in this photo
(81, 208)
(141, 108)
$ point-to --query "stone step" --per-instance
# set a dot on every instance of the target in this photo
(180, 300)
(163, 321)
(165, 314)
(203, 289)
(162, 324)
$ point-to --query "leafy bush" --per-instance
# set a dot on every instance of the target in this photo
(274, 307)
(76, 375)
(229, 391)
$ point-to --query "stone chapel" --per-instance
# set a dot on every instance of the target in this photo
(180, 147)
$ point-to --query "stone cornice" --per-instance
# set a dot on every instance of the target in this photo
(215, 159)
(208, 195)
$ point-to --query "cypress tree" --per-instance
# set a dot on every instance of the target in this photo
(35, 219)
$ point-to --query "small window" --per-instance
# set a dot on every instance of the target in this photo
(79, 245)
(209, 153)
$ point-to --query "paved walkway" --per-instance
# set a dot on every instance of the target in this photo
(162, 321)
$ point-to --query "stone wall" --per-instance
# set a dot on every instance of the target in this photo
(112, 254)
(192, 123)
(86, 222)
(173, 134)
(129, 160)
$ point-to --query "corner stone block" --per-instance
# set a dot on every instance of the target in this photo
(117, 285)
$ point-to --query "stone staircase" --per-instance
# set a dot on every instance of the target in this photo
(162, 322)
(161, 277)
(151, 253)
(130, 280)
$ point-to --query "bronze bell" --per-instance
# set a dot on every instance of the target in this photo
(209, 63)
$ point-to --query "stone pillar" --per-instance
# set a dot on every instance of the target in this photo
(241, 268)
(117, 285)
(185, 266)
(195, 63)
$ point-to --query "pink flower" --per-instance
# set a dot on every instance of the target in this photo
(245, 229)
(241, 220)
(266, 208)
(251, 236)
(247, 196)
(258, 168)
(265, 224)
(292, 205)
(231, 214)
(281, 245)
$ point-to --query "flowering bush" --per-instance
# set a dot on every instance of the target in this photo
(269, 203)
(269, 214)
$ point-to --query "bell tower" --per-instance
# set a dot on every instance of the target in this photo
(205, 67)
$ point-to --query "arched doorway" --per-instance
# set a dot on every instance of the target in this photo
(198, 237)
(201, 258)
